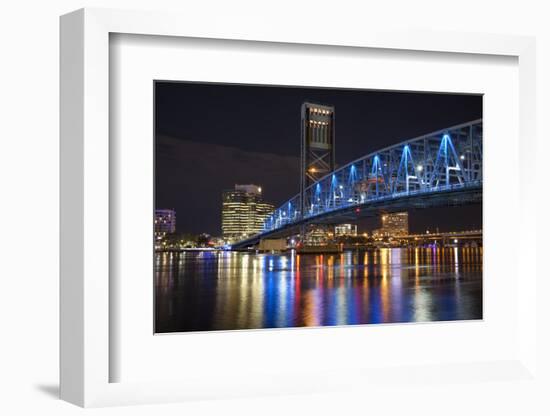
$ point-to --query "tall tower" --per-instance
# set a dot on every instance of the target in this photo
(243, 212)
(317, 149)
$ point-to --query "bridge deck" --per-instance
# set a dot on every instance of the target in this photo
(440, 168)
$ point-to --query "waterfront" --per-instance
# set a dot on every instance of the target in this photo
(222, 290)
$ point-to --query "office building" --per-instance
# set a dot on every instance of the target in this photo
(317, 235)
(243, 212)
(393, 225)
(165, 222)
(345, 230)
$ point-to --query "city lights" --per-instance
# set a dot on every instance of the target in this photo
(368, 231)
(243, 212)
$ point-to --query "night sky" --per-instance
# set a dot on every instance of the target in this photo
(209, 137)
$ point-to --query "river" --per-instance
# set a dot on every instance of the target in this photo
(223, 290)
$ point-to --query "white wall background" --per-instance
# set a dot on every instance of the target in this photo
(29, 193)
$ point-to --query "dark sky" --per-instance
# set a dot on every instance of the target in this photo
(210, 136)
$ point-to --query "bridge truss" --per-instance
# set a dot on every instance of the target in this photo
(444, 163)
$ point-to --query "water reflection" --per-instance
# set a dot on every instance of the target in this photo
(197, 291)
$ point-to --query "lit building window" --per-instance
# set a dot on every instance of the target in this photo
(243, 212)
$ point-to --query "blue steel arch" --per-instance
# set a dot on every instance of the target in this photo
(449, 160)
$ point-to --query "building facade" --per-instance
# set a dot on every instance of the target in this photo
(165, 222)
(345, 230)
(317, 235)
(243, 212)
(393, 225)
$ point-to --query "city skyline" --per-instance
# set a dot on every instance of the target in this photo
(199, 161)
(273, 189)
(381, 230)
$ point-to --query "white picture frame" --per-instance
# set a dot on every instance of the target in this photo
(85, 219)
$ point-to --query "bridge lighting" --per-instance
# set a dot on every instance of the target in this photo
(440, 174)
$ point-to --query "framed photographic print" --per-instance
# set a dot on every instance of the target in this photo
(297, 212)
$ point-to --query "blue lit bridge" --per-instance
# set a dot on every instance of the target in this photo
(443, 168)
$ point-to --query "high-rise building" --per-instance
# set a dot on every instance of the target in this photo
(243, 212)
(345, 230)
(165, 222)
(393, 225)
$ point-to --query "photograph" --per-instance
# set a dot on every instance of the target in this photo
(269, 209)
(280, 206)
